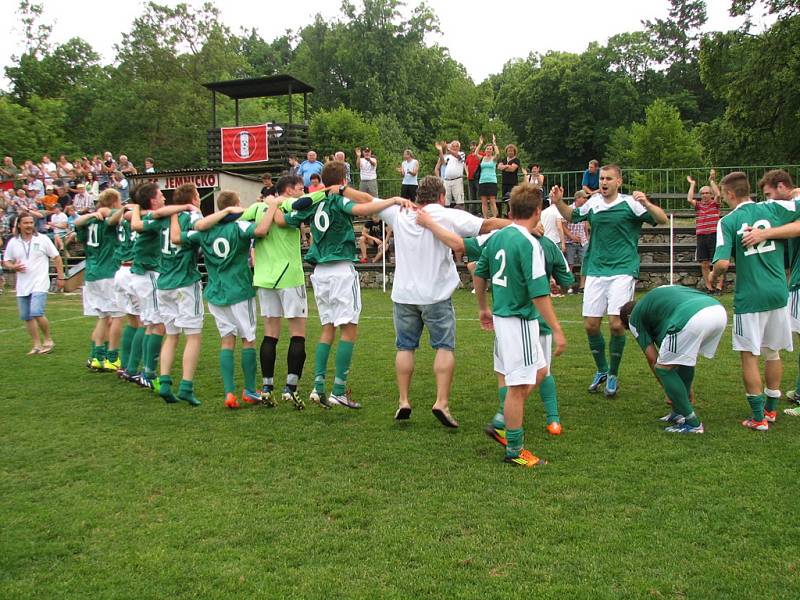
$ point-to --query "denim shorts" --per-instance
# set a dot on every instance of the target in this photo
(439, 318)
(31, 306)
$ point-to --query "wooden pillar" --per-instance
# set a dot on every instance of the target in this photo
(305, 108)
(237, 111)
(290, 104)
(213, 110)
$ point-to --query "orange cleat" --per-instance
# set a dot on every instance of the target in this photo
(524, 459)
(770, 416)
(554, 428)
(231, 401)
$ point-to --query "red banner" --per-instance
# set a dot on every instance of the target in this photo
(244, 144)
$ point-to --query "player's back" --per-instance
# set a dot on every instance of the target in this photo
(226, 250)
(331, 232)
(100, 244)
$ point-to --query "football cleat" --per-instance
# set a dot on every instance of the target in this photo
(524, 459)
(95, 365)
(167, 397)
(598, 379)
(496, 433)
(756, 425)
(126, 376)
(554, 428)
(673, 418)
(793, 397)
(792, 412)
(111, 366)
(770, 416)
(685, 428)
(267, 399)
(231, 401)
(612, 384)
(289, 396)
(249, 397)
(320, 398)
(344, 400)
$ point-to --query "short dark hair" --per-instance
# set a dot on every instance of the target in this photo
(266, 176)
(737, 183)
(314, 176)
(286, 182)
(774, 177)
(525, 200)
(334, 173)
(145, 194)
(625, 313)
(430, 189)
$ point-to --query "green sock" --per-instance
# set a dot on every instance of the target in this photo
(797, 381)
(137, 346)
(127, 340)
(676, 391)
(226, 369)
(146, 355)
(515, 439)
(547, 390)
(615, 349)
(165, 389)
(321, 366)
(186, 393)
(93, 353)
(153, 351)
(344, 356)
(249, 368)
(105, 349)
(100, 352)
(687, 376)
(112, 355)
(499, 419)
(772, 399)
(597, 346)
(757, 406)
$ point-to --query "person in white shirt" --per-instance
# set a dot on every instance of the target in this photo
(28, 254)
(452, 167)
(424, 280)
(82, 201)
(368, 165)
(553, 224)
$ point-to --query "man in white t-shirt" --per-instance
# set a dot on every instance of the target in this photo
(425, 278)
(553, 224)
(452, 167)
(368, 166)
(29, 254)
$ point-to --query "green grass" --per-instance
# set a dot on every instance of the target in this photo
(105, 491)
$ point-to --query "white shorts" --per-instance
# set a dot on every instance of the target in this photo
(769, 329)
(517, 353)
(546, 344)
(337, 293)
(100, 299)
(700, 335)
(236, 319)
(794, 310)
(606, 295)
(454, 191)
(144, 287)
(126, 297)
(182, 309)
(290, 303)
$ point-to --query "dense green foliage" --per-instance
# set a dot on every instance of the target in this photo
(381, 82)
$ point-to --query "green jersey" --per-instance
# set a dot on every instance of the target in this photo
(100, 242)
(665, 311)
(178, 263)
(279, 263)
(513, 261)
(760, 277)
(331, 222)
(125, 240)
(613, 245)
(147, 247)
(226, 248)
(793, 246)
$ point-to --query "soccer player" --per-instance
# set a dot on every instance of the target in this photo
(672, 324)
(99, 239)
(761, 319)
(335, 281)
(556, 268)
(226, 248)
(611, 264)
(778, 185)
(179, 294)
(512, 260)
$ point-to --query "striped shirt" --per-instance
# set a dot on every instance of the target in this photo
(707, 214)
(578, 230)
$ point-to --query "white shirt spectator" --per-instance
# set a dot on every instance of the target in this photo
(453, 166)
(35, 254)
(83, 202)
(424, 269)
(368, 170)
(59, 223)
(551, 221)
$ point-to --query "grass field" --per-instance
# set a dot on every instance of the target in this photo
(108, 492)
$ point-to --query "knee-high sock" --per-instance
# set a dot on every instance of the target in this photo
(321, 366)
(547, 390)
(127, 340)
(516, 440)
(267, 355)
(344, 356)
(597, 346)
(772, 399)
(756, 406)
(687, 376)
(499, 419)
(137, 348)
(677, 393)
(249, 368)
(295, 359)
(615, 348)
(152, 352)
(226, 370)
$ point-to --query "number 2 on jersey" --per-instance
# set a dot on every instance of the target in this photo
(761, 247)
(499, 278)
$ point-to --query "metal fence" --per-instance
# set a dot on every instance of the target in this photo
(650, 181)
